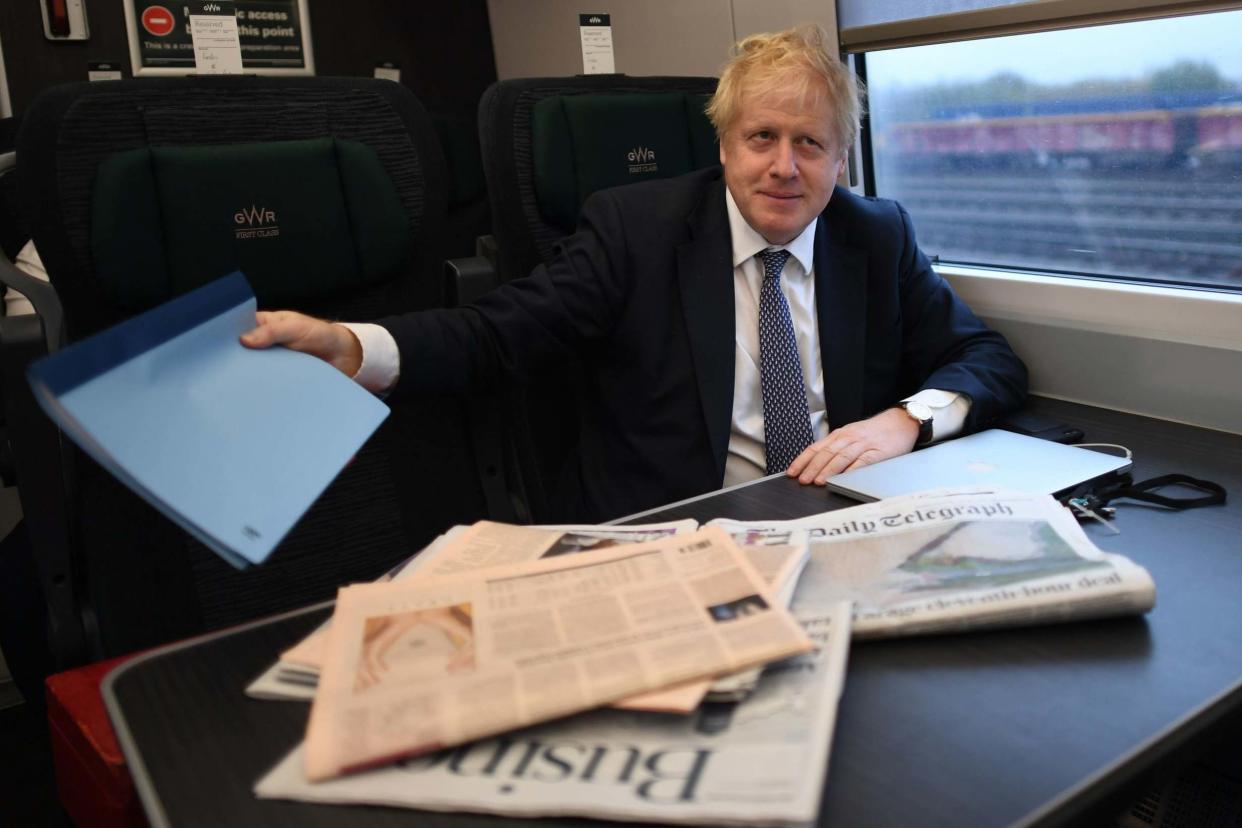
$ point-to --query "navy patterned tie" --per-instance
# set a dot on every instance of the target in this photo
(786, 419)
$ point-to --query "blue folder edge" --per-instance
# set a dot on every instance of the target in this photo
(96, 355)
(73, 367)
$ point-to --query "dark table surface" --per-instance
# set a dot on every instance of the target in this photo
(1058, 724)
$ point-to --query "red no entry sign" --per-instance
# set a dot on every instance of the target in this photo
(157, 20)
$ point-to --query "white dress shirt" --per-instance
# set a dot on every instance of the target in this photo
(746, 460)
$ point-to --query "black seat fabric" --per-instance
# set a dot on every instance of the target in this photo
(169, 219)
(548, 144)
(93, 123)
(469, 215)
(508, 128)
(139, 190)
(12, 232)
(585, 143)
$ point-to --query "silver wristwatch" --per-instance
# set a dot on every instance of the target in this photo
(921, 413)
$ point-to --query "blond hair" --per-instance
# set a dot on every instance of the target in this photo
(789, 62)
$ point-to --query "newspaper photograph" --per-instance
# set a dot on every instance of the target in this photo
(762, 761)
(414, 666)
(941, 562)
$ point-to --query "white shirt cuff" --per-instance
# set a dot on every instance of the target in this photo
(381, 361)
(948, 409)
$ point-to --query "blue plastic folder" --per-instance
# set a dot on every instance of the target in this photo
(232, 444)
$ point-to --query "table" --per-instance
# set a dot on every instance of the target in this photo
(1058, 724)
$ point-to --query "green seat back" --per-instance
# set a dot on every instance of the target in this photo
(302, 219)
(585, 143)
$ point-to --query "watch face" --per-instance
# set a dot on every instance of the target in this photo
(919, 411)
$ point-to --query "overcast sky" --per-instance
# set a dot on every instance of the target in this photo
(1128, 50)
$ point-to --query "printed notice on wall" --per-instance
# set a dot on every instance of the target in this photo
(388, 70)
(103, 71)
(273, 35)
(213, 28)
(596, 30)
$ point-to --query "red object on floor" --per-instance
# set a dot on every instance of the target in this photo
(91, 778)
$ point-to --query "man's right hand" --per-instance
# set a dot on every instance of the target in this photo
(334, 344)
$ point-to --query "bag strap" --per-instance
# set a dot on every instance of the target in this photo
(1146, 491)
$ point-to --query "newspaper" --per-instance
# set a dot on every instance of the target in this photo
(760, 762)
(950, 560)
(296, 673)
(412, 667)
(780, 554)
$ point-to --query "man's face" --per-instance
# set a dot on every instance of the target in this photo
(781, 162)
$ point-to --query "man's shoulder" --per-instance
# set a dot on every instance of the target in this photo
(866, 221)
(848, 207)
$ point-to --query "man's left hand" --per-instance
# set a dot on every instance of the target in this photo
(888, 434)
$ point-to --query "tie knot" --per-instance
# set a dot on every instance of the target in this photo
(773, 262)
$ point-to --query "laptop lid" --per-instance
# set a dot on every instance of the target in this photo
(990, 458)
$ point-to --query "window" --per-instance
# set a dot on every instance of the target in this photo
(1106, 151)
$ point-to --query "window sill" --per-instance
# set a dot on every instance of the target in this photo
(1205, 318)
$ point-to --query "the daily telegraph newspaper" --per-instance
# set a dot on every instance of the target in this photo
(759, 762)
(411, 667)
(946, 561)
(778, 555)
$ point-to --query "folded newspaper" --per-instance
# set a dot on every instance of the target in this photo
(778, 554)
(759, 762)
(944, 561)
(413, 667)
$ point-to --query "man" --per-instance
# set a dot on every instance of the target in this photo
(734, 322)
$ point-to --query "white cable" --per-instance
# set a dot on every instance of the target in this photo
(1129, 454)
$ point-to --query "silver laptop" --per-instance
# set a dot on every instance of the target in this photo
(990, 458)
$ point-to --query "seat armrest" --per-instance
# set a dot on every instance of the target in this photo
(486, 247)
(467, 279)
(42, 296)
(44, 482)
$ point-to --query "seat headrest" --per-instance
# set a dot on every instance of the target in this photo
(303, 219)
(585, 143)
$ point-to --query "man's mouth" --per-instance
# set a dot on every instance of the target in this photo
(780, 196)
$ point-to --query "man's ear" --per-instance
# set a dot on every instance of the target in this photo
(722, 151)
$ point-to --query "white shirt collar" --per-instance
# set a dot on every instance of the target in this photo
(747, 242)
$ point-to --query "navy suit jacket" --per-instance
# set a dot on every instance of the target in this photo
(642, 295)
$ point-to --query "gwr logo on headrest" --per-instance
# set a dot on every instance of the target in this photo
(255, 223)
(642, 160)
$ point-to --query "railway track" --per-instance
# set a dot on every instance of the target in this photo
(1168, 226)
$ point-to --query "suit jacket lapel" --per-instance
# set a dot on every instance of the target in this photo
(841, 306)
(705, 276)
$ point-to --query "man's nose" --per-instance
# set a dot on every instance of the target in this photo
(784, 161)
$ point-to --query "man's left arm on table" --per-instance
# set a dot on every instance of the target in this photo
(950, 360)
